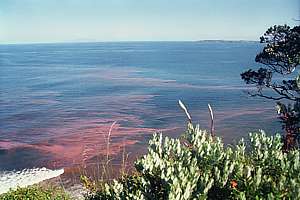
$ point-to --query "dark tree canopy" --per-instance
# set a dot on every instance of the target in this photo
(280, 58)
(281, 55)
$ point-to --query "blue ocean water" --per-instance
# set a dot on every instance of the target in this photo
(58, 101)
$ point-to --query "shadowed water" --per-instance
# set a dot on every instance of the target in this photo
(58, 101)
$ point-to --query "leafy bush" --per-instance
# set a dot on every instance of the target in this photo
(200, 167)
(36, 193)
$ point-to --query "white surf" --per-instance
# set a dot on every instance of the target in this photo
(13, 179)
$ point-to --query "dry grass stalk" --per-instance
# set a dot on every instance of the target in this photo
(106, 170)
(108, 139)
(124, 160)
(183, 107)
(212, 126)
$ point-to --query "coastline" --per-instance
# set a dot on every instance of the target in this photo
(26, 177)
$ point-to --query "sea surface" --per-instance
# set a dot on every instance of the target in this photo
(58, 102)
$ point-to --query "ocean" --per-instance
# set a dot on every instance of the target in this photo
(59, 101)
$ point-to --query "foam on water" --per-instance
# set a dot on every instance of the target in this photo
(26, 177)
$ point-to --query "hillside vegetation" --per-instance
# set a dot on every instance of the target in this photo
(36, 192)
(198, 166)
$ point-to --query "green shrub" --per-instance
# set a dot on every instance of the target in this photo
(200, 167)
(35, 193)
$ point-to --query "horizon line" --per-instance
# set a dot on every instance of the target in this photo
(126, 41)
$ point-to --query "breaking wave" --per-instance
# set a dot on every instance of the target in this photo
(25, 177)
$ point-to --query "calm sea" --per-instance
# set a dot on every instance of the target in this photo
(59, 101)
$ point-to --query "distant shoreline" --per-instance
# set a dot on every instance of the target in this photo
(117, 42)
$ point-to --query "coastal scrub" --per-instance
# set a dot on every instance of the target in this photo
(198, 166)
(36, 192)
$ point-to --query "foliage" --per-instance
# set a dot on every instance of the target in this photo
(200, 167)
(280, 57)
(35, 193)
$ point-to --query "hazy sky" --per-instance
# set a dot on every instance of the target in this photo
(27, 21)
